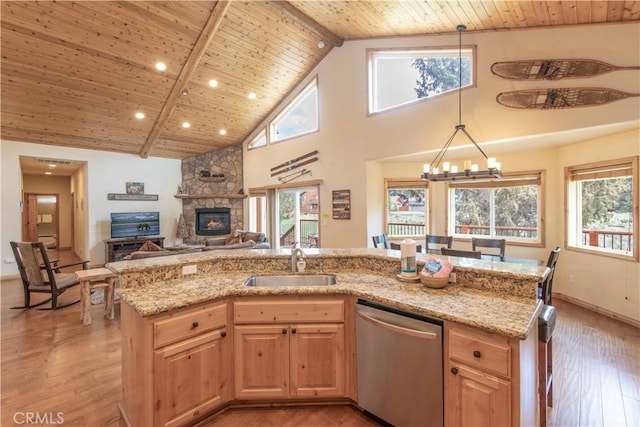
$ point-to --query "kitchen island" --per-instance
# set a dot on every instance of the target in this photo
(492, 310)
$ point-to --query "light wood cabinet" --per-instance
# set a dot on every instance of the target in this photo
(489, 379)
(289, 360)
(175, 367)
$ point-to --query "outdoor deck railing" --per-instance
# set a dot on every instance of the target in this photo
(606, 239)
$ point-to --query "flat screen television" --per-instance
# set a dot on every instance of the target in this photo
(135, 224)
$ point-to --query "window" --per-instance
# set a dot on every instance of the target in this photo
(601, 217)
(509, 208)
(299, 117)
(399, 77)
(259, 141)
(406, 208)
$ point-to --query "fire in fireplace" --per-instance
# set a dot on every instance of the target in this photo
(213, 221)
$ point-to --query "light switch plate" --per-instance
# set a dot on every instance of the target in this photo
(189, 269)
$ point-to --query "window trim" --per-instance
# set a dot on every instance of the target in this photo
(514, 179)
(406, 183)
(259, 135)
(371, 52)
(313, 84)
(591, 171)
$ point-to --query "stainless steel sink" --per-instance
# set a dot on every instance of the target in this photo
(292, 280)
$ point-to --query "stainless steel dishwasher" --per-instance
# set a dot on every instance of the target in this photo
(400, 365)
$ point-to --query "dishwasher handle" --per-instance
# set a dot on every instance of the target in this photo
(399, 329)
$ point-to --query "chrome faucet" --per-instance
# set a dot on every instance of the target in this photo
(296, 253)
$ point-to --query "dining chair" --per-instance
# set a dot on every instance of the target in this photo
(499, 244)
(398, 246)
(39, 274)
(437, 240)
(460, 253)
(546, 284)
(380, 240)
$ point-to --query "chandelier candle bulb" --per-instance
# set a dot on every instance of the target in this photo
(467, 165)
(446, 166)
(491, 163)
(425, 168)
(498, 165)
(436, 171)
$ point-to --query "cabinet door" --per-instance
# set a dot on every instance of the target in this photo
(476, 399)
(261, 358)
(317, 360)
(190, 378)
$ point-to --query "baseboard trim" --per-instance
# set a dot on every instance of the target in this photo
(599, 310)
(9, 277)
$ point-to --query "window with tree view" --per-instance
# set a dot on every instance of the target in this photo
(601, 199)
(508, 208)
(406, 207)
(398, 77)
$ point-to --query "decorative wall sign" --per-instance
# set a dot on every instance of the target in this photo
(548, 99)
(553, 69)
(135, 187)
(146, 197)
(341, 204)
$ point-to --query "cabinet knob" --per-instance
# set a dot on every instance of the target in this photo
(284, 331)
(223, 334)
(194, 325)
(476, 353)
(293, 331)
(454, 371)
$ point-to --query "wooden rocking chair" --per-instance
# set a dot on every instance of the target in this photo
(42, 275)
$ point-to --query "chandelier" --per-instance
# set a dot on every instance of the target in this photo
(431, 171)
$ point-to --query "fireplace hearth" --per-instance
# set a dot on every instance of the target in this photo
(213, 221)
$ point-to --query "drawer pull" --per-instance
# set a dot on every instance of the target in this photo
(223, 334)
(194, 325)
(454, 371)
(293, 331)
(476, 353)
(284, 332)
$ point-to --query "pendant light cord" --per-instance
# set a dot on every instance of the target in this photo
(460, 29)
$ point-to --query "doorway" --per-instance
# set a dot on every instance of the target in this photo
(41, 219)
(297, 217)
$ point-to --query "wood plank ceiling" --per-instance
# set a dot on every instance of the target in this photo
(74, 73)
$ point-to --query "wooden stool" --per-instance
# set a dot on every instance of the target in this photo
(95, 278)
(546, 324)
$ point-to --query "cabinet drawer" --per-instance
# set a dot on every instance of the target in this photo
(489, 353)
(288, 311)
(189, 324)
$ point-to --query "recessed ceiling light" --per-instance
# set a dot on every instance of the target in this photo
(223, 131)
(321, 44)
(186, 125)
(252, 95)
(161, 66)
(48, 173)
(185, 92)
(213, 83)
(52, 166)
(139, 115)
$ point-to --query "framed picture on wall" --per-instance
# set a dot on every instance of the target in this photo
(341, 200)
(135, 187)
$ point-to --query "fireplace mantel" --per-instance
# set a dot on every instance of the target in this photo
(210, 196)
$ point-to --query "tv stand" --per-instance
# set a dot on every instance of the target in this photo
(117, 249)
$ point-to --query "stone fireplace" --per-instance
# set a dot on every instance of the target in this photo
(213, 221)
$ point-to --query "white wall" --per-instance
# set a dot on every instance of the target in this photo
(106, 172)
(355, 148)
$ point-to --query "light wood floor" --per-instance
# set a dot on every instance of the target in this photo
(51, 363)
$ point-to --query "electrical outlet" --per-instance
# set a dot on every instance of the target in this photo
(189, 269)
(572, 278)
(9, 260)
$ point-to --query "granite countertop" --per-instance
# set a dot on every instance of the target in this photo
(501, 314)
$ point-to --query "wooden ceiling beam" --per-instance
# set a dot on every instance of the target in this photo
(199, 48)
(309, 23)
